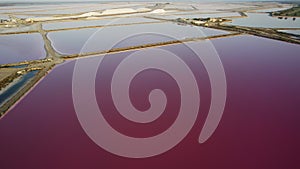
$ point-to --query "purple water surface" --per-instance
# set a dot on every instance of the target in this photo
(259, 128)
(21, 47)
(72, 41)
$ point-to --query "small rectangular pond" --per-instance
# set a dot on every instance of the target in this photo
(21, 47)
(7, 92)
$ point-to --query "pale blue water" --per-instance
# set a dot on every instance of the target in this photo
(271, 10)
(71, 42)
(266, 21)
(21, 47)
(211, 15)
(17, 86)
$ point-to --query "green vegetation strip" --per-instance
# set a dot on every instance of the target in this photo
(292, 12)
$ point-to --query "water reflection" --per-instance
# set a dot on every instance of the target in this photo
(17, 85)
(272, 9)
(71, 42)
(209, 15)
(266, 21)
(21, 47)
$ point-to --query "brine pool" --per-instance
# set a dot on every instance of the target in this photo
(260, 125)
(265, 21)
(200, 15)
(74, 24)
(73, 41)
(21, 47)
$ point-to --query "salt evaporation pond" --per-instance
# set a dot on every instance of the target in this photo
(200, 15)
(266, 21)
(77, 9)
(259, 128)
(100, 22)
(273, 9)
(30, 8)
(71, 42)
(21, 47)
